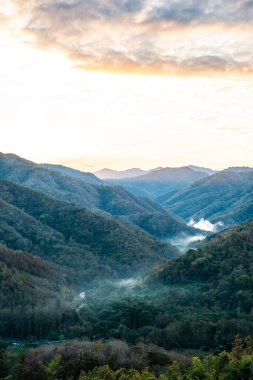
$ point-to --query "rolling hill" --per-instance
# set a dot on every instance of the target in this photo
(226, 196)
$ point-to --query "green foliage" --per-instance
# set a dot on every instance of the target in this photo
(53, 367)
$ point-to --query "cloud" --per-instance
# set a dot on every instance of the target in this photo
(205, 225)
(209, 11)
(174, 37)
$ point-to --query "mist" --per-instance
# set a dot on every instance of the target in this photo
(206, 225)
(184, 242)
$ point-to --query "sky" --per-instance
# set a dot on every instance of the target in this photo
(130, 83)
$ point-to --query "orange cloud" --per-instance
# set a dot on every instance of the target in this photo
(144, 37)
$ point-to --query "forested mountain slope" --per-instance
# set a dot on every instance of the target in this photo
(26, 279)
(223, 265)
(84, 242)
(226, 196)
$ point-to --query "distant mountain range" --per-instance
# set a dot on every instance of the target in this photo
(201, 169)
(116, 174)
(160, 181)
(226, 196)
(239, 169)
(106, 174)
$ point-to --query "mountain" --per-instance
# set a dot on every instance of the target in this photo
(84, 243)
(201, 169)
(240, 169)
(116, 174)
(160, 181)
(222, 267)
(71, 187)
(84, 176)
(68, 188)
(226, 196)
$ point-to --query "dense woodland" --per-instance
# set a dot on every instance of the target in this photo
(147, 308)
(85, 243)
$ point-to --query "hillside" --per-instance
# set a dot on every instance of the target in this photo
(226, 196)
(161, 181)
(68, 185)
(85, 243)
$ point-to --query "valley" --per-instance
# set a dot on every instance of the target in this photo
(84, 261)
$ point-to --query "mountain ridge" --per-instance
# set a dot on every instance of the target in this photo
(160, 181)
(114, 200)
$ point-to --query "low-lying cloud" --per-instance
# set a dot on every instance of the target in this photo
(206, 225)
(167, 37)
(183, 243)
